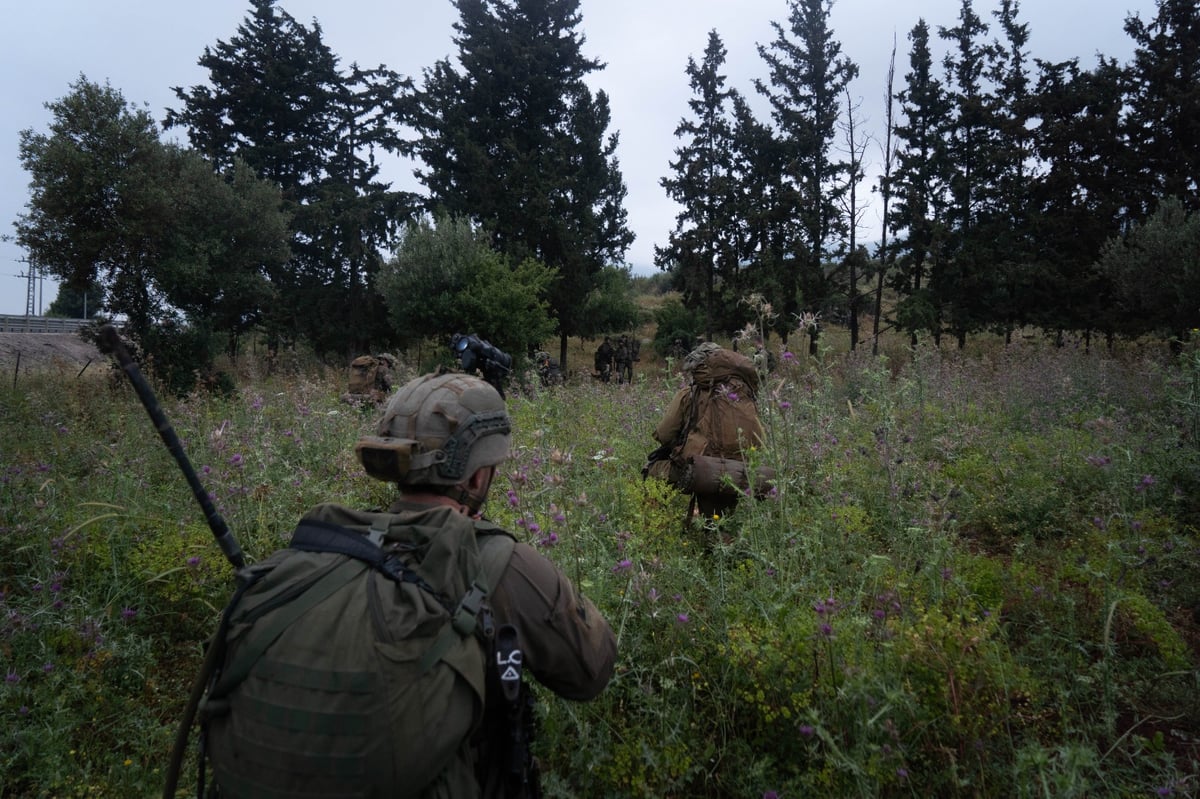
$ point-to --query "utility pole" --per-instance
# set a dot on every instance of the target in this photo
(31, 292)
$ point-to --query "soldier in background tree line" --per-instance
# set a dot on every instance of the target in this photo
(370, 379)
(604, 359)
(624, 360)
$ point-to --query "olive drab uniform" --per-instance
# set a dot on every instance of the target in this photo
(604, 360)
(624, 360)
(708, 428)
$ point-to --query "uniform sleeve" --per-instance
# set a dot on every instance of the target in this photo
(568, 646)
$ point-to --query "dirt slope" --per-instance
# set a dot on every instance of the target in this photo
(46, 350)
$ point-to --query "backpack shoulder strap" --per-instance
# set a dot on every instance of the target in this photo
(495, 550)
(312, 535)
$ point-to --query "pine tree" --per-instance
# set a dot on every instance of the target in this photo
(808, 76)
(517, 142)
(966, 290)
(920, 186)
(278, 100)
(1006, 223)
(701, 250)
(1078, 198)
(1163, 124)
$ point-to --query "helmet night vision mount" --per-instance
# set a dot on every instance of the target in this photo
(474, 353)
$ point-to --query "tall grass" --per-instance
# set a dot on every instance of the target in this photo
(975, 575)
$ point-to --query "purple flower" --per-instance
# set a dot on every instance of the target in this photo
(770, 795)
(193, 561)
(12, 677)
(236, 460)
(48, 667)
(128, 613)
(623, 566)
(682, 618)
(807, 730)
(902, 773)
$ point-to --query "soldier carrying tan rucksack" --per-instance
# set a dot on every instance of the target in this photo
(370, 379)
(707, 430)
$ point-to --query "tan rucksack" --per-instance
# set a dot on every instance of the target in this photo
(362, 374)
(720, 424)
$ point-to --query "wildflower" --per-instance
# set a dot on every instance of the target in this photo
(193, 561)
(1146, 481)
(623, 566)
(902, 772)
(784, 405)
(127, 613)
(826, 631)
(770, 795)
(48, 667)
(12, 677)
(682, 618)
(807, 730)
(236, 460)
(788, 356)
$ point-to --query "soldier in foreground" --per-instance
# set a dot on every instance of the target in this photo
(403, 675)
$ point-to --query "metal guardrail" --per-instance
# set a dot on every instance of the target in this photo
(13, 323)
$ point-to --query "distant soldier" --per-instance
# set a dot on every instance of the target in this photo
(370, 379)
(624, 360)
(707, 430)
(604, 359)
(383, 373)
(548, 369)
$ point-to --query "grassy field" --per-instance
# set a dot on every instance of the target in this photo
(976, 573)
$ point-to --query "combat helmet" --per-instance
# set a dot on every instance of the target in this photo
(437, 431)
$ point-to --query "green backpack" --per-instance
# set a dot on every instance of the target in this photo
(352, 670)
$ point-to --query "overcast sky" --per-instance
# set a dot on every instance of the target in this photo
(144, 47)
